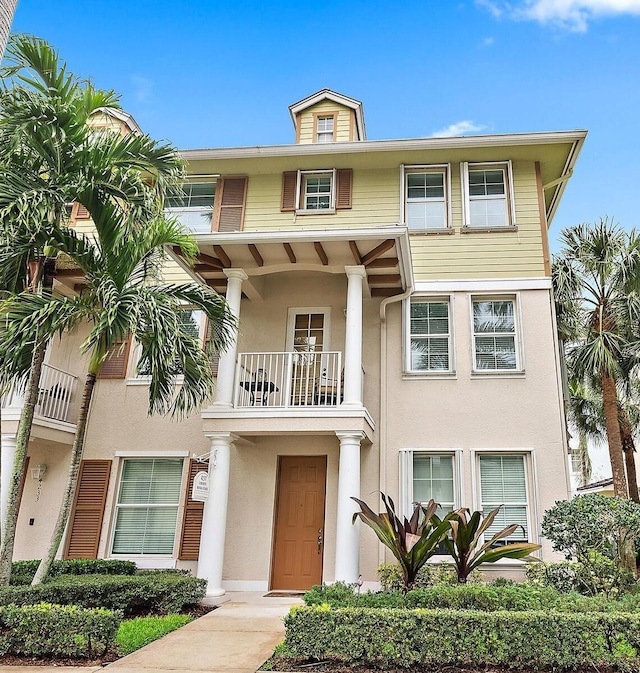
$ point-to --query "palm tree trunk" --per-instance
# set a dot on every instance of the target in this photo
(72, 482)
(628, 446)
(610, 402)
(585, 460)
(22, 444)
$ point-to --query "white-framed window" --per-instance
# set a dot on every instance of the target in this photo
(503, 482)
(488, 195)
(426, 198)
(495, 334)
(146, 513)
(193, 205)
(431, 473)
(325, 127)
(317, 191)
(429, 335)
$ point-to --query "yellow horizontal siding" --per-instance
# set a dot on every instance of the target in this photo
(173, 273)
(342, 122)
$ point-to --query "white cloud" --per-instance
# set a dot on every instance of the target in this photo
(458, 129)
(488, 41)
(573, 15)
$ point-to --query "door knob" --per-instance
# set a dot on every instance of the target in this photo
(320, 541)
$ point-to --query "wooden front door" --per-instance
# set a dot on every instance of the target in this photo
(298, 541)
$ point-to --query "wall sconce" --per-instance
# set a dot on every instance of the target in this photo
(38, 472)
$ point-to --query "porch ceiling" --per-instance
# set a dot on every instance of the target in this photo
(383, 251)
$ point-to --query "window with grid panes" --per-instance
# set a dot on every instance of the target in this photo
(494, 335)
(193, 205)
(503, 481)
(429, 343)
(317, 191)
(433, 478)
(147, 508)
(426, 203)
(487, 197)
(324, 129)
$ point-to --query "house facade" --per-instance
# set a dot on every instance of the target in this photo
(397, 334)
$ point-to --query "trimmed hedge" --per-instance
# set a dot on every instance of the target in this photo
(56, 630)
(157, 593)
(22, 572)
(486, 598)
(389, 638)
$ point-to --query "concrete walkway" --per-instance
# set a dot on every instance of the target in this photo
(239, 636)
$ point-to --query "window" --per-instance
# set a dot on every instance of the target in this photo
(433, 478)
(324, 129)
(488, 198)
(317, 191)
(426, 198)
(193, 205)
(147, 508)
(494, 335)
(429, 336)
(503, 481)
(427, 474)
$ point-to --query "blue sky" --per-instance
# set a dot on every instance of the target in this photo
(211, 74)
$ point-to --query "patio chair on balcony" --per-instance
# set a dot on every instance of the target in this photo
(328, 391)
(259, 383)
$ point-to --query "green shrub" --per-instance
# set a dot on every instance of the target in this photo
(45, 630)
(601, 575)
(344, 595)
(22, 572)
(389, 638)
(390, 576)
(159, 593)
(136, 633)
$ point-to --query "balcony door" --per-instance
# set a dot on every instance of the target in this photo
(308, 339)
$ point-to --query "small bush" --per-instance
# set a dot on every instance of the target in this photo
(390, 576)
(136, 633)
(344, 595)
(159, 593)
(46, 630)
(391, 638)
(22, 572)
(600, 576)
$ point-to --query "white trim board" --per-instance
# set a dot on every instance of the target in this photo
(483, 285)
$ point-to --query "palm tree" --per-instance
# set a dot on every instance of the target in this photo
(123, 295)
(7, 10)
(51, 157)
(595, 278)
(584, 413)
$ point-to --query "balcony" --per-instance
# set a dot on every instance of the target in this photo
(55, 396)
(289, 380)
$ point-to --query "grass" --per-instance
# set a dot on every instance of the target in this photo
(136, 633)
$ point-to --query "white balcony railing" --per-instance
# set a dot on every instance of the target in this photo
(55, 392)
(293, 379)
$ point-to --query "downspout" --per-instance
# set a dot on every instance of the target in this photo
(383, 393)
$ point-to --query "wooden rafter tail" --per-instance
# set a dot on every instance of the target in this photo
(222, 254)
(321, 253)
(357, 257)
(255, 253)
(290, 254)
(383, 263)
(384, 279)
(378, 251)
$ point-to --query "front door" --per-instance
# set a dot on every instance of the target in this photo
(298, 542)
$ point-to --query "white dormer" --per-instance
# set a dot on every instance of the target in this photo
(326, 117)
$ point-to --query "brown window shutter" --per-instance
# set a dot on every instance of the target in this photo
(215, 362)
(192, 522)
(115, 364)
(85, 523)
(344, 179)
(79, 212)
(214, 359)
(289, 182)
(229, 206)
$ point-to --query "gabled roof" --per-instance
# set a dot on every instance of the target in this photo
(327, 94)
(120, 115)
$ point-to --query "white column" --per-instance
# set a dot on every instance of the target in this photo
(353, 337)
(214, 519)
(227, 365)
(7, 456)
(347, 533)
